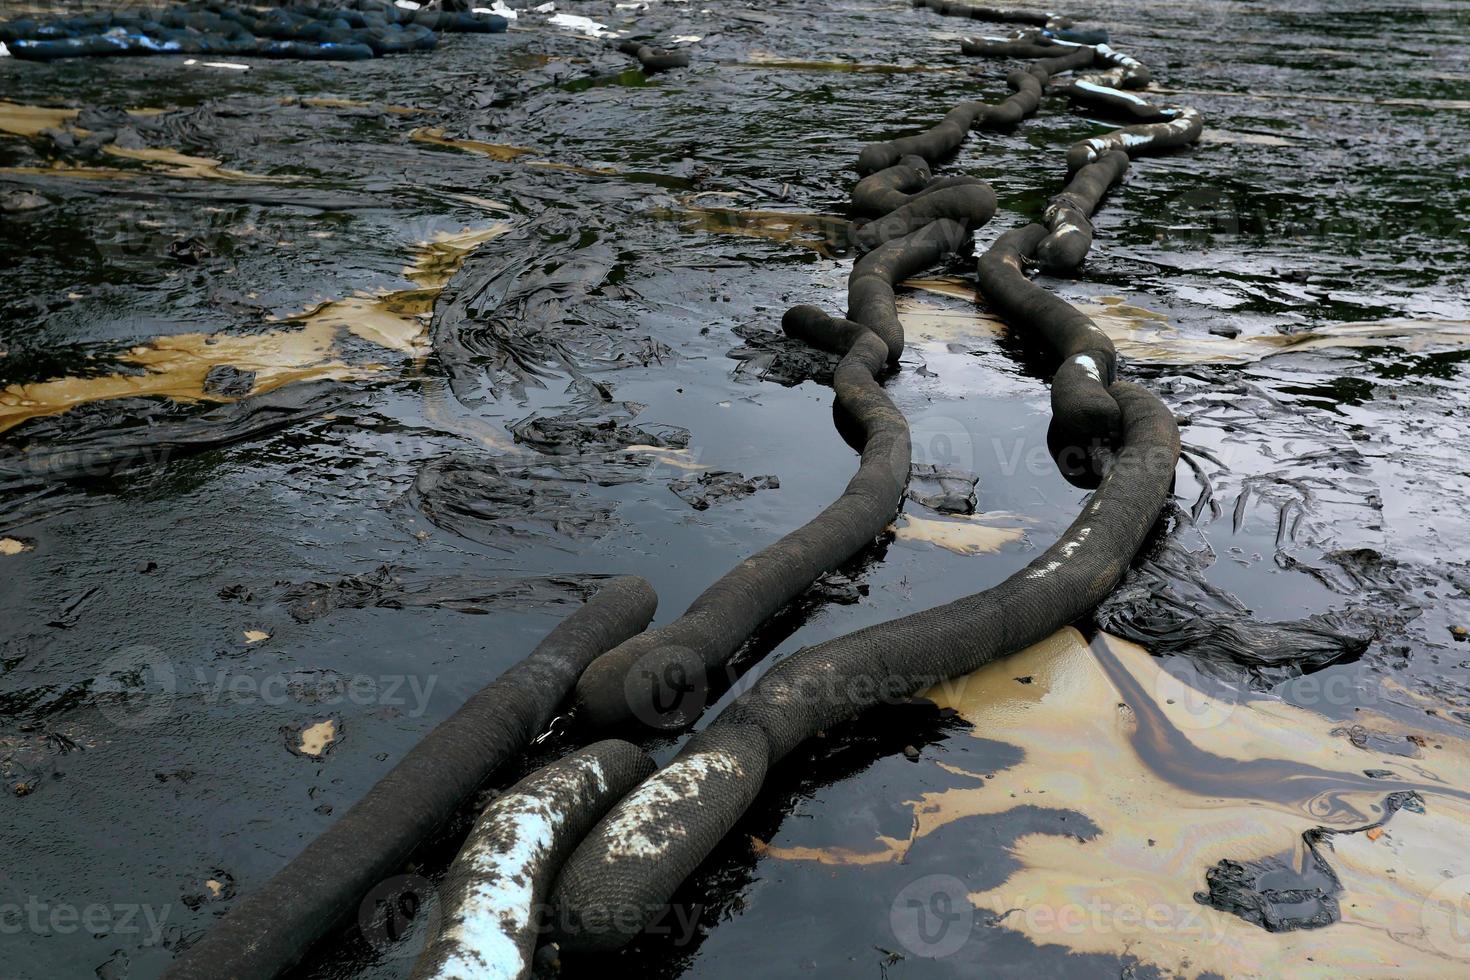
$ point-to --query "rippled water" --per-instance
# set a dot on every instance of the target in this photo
(417, 258)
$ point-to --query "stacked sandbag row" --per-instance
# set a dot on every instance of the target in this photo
(301, 32)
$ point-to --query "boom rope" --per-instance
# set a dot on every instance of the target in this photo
(273, 927)
(317, 890)
(356, 31)
(658, 677)
(628, 868)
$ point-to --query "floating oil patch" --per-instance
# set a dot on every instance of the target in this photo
(29, 120)
(979, 534)
(498, 151)
(176, 164)
(1147, 335)
(397, 319)
(180, 366)
(1253, 139)
(14, 546)
(495, 151)
(1175, 781)
(450, 414)
(823, 233)
(320, 102)
(766, 59)
(926, 324)
(315, 740)
(680, 459)
(1455, 104)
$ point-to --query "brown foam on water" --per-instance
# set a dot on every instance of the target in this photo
(397, 319)
(1175, 780)
(1147, 335)
(305, 348)
(61, 169)
(166, 163)
(176, 367)
(503, 152)
(391, 320)
(437, 259)
(980, 534)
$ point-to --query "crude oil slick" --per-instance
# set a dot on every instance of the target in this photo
(219, 367)
(1163, 782)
